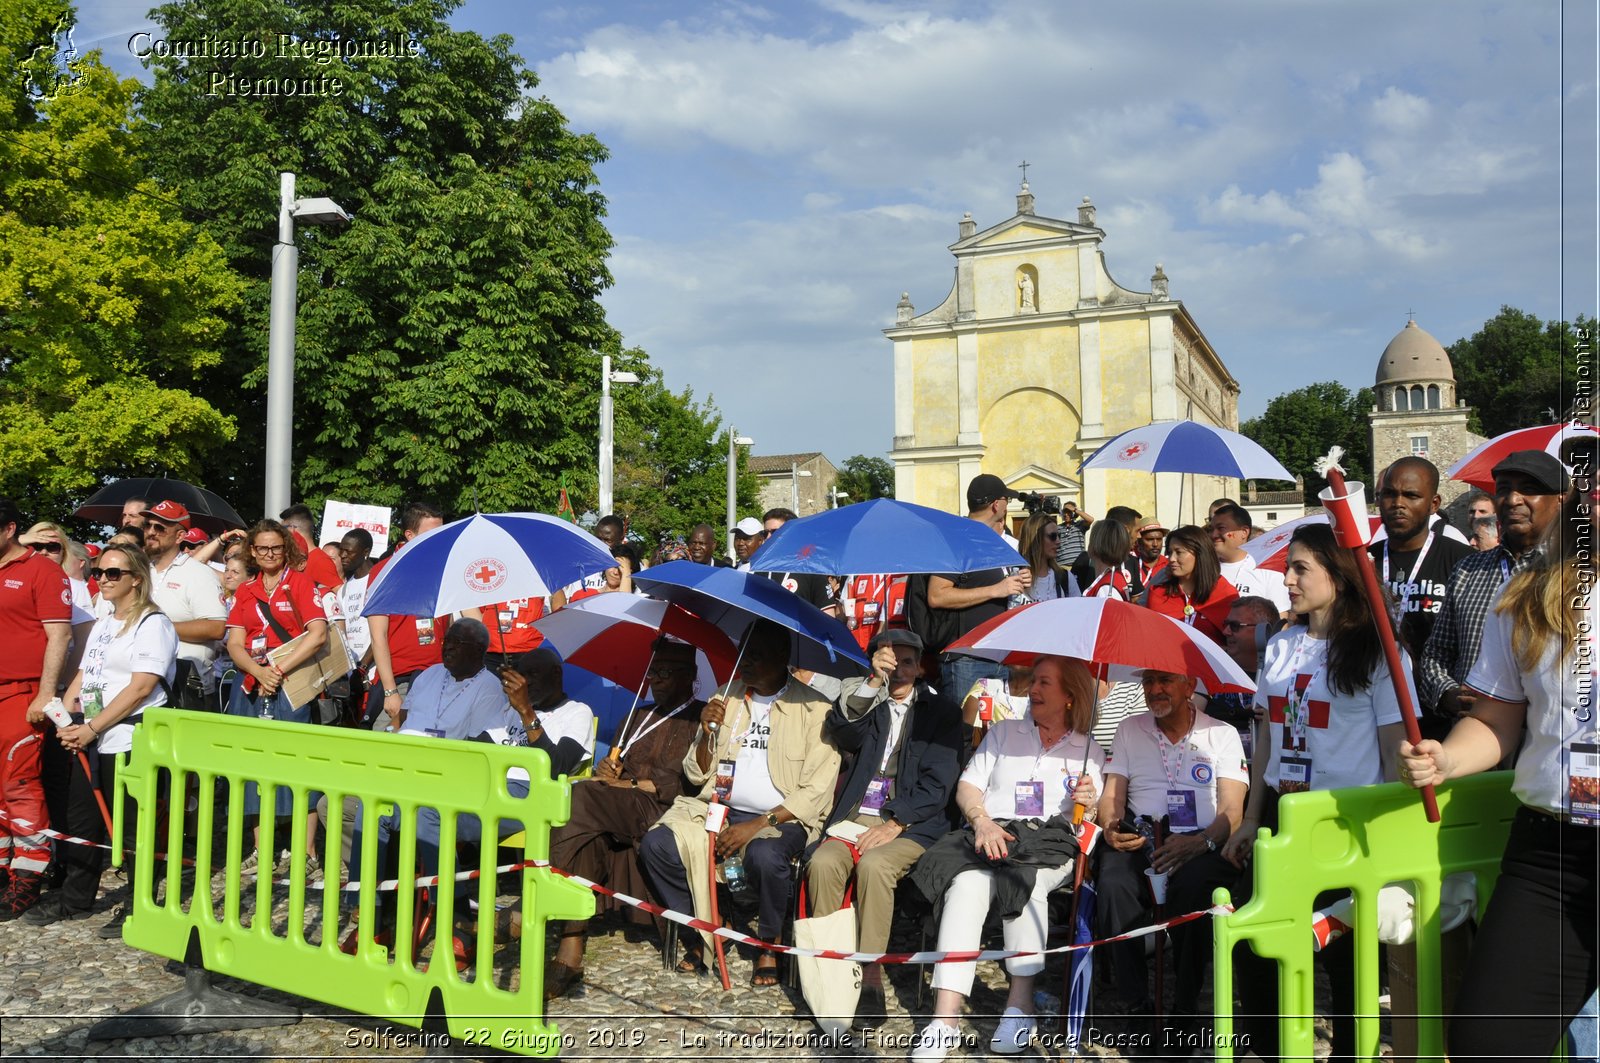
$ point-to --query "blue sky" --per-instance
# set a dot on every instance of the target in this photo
(1306, 172)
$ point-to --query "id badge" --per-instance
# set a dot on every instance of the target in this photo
(1028, 799)
(1583, 782)
(1294, 775)
(1247, 739)
(724, 783)
(425, 631)
(1181, 810)
(433, 732)
(506, 618)
(93, 703)
(258, 648)
(877, 794)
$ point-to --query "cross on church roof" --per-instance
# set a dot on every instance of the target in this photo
(1024, 169)
(1411, 315)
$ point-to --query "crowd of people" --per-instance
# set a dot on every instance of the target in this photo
(969, 780)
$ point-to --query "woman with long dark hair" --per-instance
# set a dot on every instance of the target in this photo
(1191, 587)
(1327, 718)
(1533, 960)
(1037, 545)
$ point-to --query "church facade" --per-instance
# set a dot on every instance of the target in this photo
(1035, 358)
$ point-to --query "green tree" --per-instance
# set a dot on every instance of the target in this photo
(110, 301)
(1516, 370)
(866, 478)
(1300, 426)
(672, 462)
(449, 338)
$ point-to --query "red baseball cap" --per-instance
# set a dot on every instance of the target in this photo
(171, 512)
(196, 536)
(93, 550)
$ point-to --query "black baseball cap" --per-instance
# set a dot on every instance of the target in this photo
(1546, 471)
(985, 488)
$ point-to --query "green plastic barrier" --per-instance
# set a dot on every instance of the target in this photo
(383, 771)
(1359, 839)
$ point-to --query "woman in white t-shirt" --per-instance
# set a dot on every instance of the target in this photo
(1037, 545)
(128, 667)
(1535, 681)
(1326, 718)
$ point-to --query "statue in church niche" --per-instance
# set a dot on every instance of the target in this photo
(1025, 285)
(1158, 285)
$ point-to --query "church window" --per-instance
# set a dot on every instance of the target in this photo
(1433, 396)
(1418, 399)
(1419, 446)
(1401, 401)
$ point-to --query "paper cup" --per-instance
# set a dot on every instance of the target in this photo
(1348, 512)
(1158, 884)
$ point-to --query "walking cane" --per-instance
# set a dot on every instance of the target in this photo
(1346, 504)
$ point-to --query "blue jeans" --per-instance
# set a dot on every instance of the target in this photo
(255, 704)
(958, 673)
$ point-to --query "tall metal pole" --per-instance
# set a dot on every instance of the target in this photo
(280, 353)
(794, 483)
(733, 484)
(605, 434)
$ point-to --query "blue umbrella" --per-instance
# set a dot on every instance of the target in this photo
(1188, 446)
(883, 536)
(483, 560)
(733, 600)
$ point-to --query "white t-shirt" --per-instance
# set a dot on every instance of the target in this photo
(753, 790)
(1552, 692)
(111, 660)
(188, 590)
(1012, 767)
(1261, 582)
(1154, 766)
(1339, 733)
(570, 719)
(352, 595)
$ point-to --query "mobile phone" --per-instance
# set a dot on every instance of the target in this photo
(1128, 826)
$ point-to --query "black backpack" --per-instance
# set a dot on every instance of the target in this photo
(937, 627)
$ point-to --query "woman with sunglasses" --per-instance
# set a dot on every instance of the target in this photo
(1191, 587)
(275, 605)
(128, 666)
(1037, 545)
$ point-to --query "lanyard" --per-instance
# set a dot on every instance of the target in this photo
(1188, 610)
(1411, 577)
(1181, 746)
(644, 730)
(1296, 704)
(897, 722)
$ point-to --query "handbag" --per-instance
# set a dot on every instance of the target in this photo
(831, 988)
(307, 681)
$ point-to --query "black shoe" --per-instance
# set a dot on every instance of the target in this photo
(871, 1009)
(52, 910)
(21, 894)
(113, 927)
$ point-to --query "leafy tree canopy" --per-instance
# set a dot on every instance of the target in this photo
(1517, 371)
(1299, 426)
(866, 478)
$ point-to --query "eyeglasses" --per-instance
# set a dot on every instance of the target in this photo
(1231, 626)
(49, 548)
(267, 551)
(108, 575)
(666, 671)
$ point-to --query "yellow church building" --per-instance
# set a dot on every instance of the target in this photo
(1037, 357)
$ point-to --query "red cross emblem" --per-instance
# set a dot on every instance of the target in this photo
(1316, 711)
(1131, 451)
(485, 574)
(808, 549)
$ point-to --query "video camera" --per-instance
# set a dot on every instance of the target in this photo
(1034, 502)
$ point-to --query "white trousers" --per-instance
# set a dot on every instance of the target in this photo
(966, 905)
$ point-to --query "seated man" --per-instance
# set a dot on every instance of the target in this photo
(762, 752)
(1173, 764)
(630, 790)
(895, 801)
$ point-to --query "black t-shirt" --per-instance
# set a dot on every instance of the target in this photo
(1420, 594)
(969, 618)
(807, 585)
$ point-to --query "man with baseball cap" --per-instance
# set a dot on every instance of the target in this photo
(748, 535)
(1528, 488)
(1148, 556)
(895, 800)
(190, 593)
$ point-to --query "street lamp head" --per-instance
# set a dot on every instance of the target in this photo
(319, 210)
(804, 472)
(622, 376)
(744, 441)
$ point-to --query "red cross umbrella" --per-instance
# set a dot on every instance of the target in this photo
(611, 635)
(1477, 468)
(1116, 638)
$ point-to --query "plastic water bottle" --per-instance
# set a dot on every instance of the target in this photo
(733, 874)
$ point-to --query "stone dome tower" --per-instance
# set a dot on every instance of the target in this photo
(1417, 413)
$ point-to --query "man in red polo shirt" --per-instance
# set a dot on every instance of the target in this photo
(35, 628)
(402, 646)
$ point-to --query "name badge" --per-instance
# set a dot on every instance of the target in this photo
(258, 648)
(1583, 782)
(433, 732)
(1294, 775)
(506, 618)
(869, 612)
(93, 702)
(1028, 799)
(724, 784)
(1181, 810)
(877, 794)
(424, 631)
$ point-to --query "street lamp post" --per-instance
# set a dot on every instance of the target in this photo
(318, 210)
(607, 378)
(735, 441)
(795, 472)
(834, 494)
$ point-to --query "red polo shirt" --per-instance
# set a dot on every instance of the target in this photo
(293, 603)
(511, 627)
(33, 592)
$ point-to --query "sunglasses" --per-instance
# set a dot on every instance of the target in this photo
(1052, 536)
(1231, 626)
(109, 575)
(49, 548)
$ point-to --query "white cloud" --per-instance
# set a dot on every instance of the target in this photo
(1400, 111)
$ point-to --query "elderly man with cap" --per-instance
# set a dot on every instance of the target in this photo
(1528, 489)
(748, 535)
(190, 593)
(1177, 767)
(895, 800)
(632, 787)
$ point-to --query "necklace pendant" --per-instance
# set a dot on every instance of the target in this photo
(1188, 610)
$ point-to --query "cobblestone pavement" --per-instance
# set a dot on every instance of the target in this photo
(60, 980)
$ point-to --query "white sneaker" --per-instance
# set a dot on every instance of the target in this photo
(1015, 1032)
(935, 1042)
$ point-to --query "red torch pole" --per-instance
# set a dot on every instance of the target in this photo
(1391, 649)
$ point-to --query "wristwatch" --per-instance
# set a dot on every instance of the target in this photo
(391, 693)
(772, 819)
(1211, 846)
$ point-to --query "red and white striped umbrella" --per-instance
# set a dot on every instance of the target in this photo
(1271, 551)
(1477, 468)
(1118, 639)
